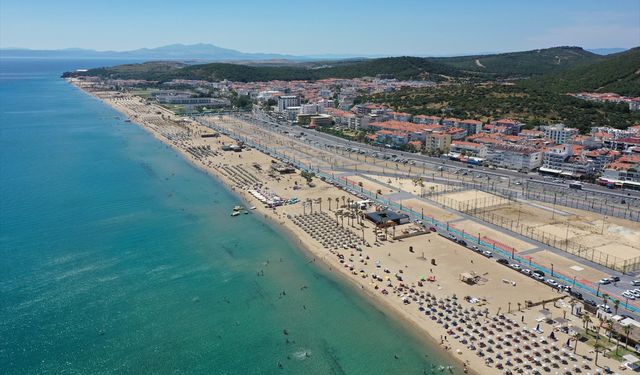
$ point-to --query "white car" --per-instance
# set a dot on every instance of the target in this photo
(487, 253)
(551, 282)
(628, 294)
(605, 308)
(604, 281)
(515, 266)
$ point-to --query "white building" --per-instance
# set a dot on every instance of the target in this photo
(286, 101)
(559, 133)
(519, 158)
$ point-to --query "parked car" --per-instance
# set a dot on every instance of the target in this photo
(462, 242)
(615, 279)
(605, 308)
(487, 253)
(503, 261)
(628, 294)
(515, 266)
(576, 295)
(526, 271)
(635, 282)
(590, 302)
(604, 281)
(538, 272)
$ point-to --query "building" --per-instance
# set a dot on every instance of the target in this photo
(287, 101)
(311, 109)
(470, 126)
(478, 150)
(559, 133)
(437, 142)
(320, 120)
(506, 126)
(426, 120)
(450, 122)
(626, 168)
(391, 137)
(387, 218)
(521, 158)
(400, 116)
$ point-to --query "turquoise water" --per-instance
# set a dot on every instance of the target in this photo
(118, 257)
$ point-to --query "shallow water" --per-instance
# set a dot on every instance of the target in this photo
(119, 257)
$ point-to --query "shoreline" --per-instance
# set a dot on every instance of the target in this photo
(381, 304)
(497, 288)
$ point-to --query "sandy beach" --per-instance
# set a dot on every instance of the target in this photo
(499, 322)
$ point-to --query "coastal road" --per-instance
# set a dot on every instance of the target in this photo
(589, 291)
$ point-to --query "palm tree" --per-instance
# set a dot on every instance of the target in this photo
(576, 336)
(616, 305)
(329, 200)
(598, 347)
(608, 323)
(320, 203)
(627, 330)
(586, 319)
(310, 203)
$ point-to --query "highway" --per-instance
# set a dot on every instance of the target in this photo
(599, 199)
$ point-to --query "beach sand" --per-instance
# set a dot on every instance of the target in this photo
(498, 289)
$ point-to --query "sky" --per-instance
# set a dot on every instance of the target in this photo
(368, 27)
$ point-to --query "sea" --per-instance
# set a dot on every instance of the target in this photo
(119, 257)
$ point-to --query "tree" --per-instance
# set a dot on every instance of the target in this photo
(576, 337)
(320, 203)
(627, 330)
(616, 306)
(586, 319)
(329, 199)
(599, 348)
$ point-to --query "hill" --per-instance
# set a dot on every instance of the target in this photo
(506, 65)
(536, 100)
(392, 67)
(619, 73)
(521, 64)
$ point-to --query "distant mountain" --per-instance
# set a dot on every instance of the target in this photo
(206, 52)
(619, 73)
(606, 51)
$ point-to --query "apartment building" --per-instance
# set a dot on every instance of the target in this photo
(521, 158)
(288, 101)
(437, 142)
(470, 126)
(478, 150)
(559, 133)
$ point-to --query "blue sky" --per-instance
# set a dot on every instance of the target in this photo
(373, 27)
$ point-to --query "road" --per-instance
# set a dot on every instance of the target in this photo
(588, 291)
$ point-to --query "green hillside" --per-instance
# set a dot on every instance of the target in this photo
(506, 65)
(522, 64)
(393, 67)
(619, 73)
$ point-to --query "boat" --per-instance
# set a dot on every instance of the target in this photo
(252, 208)
(237, 208)
(235, 213)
